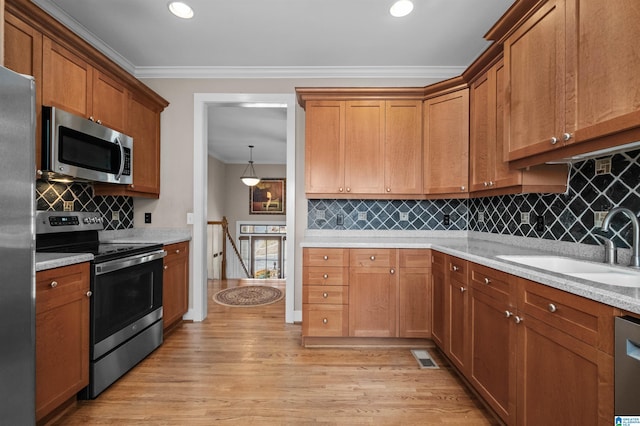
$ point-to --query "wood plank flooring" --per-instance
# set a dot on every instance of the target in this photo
(245, 366)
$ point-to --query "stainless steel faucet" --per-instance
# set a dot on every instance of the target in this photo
(635, 249)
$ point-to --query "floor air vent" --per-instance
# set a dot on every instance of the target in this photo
(424, 358)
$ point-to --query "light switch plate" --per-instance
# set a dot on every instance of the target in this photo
(319, 214)
(524, 218)
(602, 166)
(68, 206)
(362, 215)
(480, 216)
(115, 215)
(404, 216)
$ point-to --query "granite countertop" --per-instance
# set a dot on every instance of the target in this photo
(46, 261)
(483, 248)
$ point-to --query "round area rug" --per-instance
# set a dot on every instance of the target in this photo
(248, 296)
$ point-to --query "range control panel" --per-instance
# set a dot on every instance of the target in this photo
(49, 222)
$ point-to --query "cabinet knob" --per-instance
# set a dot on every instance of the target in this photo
(89, 293)
(348, 189)
(177, 251)
(462, 289)
(455, 268)
(388, 189)
(392, 271)
(517, 319)
(53, 284)
(166, 267)
(487, 281)
(508, 314)
(486, 184)
(553, 140)
(325, 257)
(566, 136)
(491, 183)
(99, 121)
(552, 308)
(91, 118)
(325, 295)
(372, 258)
(340, 189)
(324, 320)
(463, 188)
(325, 276)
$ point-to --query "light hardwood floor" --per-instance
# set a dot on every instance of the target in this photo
(245, 366)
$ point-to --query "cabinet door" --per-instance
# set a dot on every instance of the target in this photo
(110, 100)
(62, 335)
(482, 131)
(403, 147)
(415, 302)
(456, 302)
(175, 285)
(364, 153)
(144, 126)
(324, 147)
(534, 61)
(446, 143)
(23, 54)
(493, 370)
(373, 288)
(67, 79)
(438, 289)
(603, 49)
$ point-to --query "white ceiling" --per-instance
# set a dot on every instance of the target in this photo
(281, 38)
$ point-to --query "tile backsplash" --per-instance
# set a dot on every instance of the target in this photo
(567, 217)
(53, 195)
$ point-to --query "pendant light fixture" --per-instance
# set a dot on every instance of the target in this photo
(249, 176)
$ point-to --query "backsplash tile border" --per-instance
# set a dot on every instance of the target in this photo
(568, 217)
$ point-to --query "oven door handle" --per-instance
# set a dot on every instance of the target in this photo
(114, 265)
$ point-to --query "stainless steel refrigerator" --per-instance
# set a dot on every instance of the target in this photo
(17, 249)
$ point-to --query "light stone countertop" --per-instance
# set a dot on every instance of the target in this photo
(483, 248)
(46, 261)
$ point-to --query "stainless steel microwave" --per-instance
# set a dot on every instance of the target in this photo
(80, 149)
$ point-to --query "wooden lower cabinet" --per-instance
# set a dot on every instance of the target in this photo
(438, 291)
(366, 293)
(175, 284)
(62, 335)
(456, 309)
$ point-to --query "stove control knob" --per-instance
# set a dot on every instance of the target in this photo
(85, 220)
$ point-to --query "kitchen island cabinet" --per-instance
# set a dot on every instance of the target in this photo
(62, 336)
(175, 284)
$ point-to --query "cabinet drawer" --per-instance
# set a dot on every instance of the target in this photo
(491, 282)
(325, 320)
(176, 250)
(415, 258)
(325, 257)
(329, 275)
(584, 319)
(457, 268)
(334, 295)
(372, 257)
(55, 287)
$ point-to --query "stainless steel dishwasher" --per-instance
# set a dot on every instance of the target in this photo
(627, 366)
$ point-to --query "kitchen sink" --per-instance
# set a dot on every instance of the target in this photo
(583, 269)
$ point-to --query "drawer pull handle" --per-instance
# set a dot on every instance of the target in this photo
(89, 293)
(552, 307)
(54, 284)
(372, 258)
(325, 257)
(487, 281)
(325, 276)
(325, 295)
(325, 321)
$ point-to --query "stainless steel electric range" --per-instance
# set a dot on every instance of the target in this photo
(126, 301)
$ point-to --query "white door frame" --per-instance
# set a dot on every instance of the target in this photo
(198, 310)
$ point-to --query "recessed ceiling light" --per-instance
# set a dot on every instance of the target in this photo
(401, 8)
(181, 10)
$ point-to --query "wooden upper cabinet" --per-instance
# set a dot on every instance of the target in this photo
(482, 131)
(446, 144)
(403, 147)
(604, 55)
(364, 147)
(144, 125)
(324, 147)
(67, 79)
(110, 100)
(534, 60)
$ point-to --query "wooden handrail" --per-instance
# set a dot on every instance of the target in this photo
(225, 230)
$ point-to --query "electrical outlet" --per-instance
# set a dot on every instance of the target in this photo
(603, 166)
(540, 223)
(319, 214)
(339, 219)
(404, 216)
(362, 215)
(147, 217)
(446, 219)
(68, 206)
(598, 217)
(480, 216)
(524, 218)
(115, 215)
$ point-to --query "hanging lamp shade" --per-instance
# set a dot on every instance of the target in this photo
(249, 176)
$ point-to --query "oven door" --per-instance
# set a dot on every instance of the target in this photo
(127, 298)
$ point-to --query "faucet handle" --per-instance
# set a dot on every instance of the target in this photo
(610, 253)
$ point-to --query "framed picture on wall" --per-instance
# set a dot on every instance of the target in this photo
(267, 197)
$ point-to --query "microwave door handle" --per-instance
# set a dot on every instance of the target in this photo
(121, 169)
